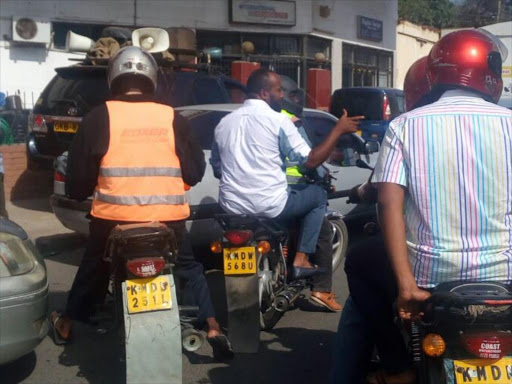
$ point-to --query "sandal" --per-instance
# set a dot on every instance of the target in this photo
(58, 338)
(222, 350)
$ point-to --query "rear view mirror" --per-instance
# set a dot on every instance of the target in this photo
(371, 147)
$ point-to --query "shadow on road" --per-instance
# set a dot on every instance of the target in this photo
(18, 370)
(51, 247)
(281, 360)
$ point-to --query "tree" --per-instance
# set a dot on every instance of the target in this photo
(477, 13)
(434, 13)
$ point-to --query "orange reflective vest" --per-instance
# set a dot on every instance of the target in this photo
(140, 175)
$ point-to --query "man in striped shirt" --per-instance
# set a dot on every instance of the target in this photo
(449, 165)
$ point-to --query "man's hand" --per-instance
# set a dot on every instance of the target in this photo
(410, 302)
(348, 124)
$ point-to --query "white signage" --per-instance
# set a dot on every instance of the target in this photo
(262, 12)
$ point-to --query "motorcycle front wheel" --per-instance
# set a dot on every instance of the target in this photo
(339, 241)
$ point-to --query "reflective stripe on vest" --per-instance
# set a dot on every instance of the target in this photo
(140, 175)
(136, 172)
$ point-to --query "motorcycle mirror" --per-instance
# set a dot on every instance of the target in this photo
(371, 147)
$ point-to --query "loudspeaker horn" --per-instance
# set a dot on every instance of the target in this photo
(78, 43)
(151, 39)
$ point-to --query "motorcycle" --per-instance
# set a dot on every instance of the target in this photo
(145, 299)
(256, 263)
(465, 334)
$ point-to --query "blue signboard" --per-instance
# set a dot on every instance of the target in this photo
(369, 29)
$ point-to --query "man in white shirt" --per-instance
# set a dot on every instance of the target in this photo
(248, 155)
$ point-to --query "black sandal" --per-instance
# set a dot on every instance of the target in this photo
(222, 350)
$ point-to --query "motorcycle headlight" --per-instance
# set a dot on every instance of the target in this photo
(16, 257)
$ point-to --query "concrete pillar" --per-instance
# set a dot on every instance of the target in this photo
(241, 70)
(336, 64)
(319, 88)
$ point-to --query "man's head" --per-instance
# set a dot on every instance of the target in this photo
(266, 85)
(416, 85)
(468, 59)
(132, 70)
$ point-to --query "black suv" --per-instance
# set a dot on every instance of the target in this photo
(378, 105)
(76, 89)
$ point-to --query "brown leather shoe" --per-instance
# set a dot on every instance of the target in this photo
(326, 299)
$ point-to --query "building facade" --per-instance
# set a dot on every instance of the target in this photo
(412, 42)
(355, 39)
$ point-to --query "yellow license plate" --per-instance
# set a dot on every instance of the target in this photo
(240, 261)
(149, 294)
(66, 127)
(483, 371)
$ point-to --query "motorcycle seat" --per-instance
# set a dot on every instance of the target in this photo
(473, 293)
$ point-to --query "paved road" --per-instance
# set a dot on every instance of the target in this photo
(296, 351)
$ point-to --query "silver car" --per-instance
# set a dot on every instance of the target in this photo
(23, 293)
(203, 119)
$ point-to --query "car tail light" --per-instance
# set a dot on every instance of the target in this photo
(146, 266)
(238, 237)
(57, 176)
(37, 124)
(487, 345)
(386, 109)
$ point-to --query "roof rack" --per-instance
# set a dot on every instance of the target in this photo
(202, 65)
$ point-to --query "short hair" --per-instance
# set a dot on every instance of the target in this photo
(258, 80)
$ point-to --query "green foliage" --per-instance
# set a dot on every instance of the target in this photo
(434, 13)
(455, 13)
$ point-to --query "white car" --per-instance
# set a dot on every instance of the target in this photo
(203, 119)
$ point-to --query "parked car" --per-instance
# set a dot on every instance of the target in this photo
(76, 89)
(23, 293)
(378, 105)
(203, 197)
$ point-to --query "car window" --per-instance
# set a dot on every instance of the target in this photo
(82, 90)
(358, 103)
(203, 123)
(397, 104)
(318, 128)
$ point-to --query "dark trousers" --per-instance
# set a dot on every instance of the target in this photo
(92, 278)
(368, 318)
(323, 258)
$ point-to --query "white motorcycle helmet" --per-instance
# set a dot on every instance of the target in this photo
(132, 61)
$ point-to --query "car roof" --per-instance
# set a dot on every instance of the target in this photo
(232, 107)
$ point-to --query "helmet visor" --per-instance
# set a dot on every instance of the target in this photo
(502, 49)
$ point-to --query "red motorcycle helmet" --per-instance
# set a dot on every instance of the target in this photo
(416, 85)
(469, 59)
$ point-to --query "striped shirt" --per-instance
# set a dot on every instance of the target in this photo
(454, 157)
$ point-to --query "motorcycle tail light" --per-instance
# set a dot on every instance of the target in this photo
(433, 345)
(216, 247)
(238, 237)
(263, 247)
(487, 345)
(146, 266)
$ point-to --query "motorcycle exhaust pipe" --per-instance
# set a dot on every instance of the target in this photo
(284, 299)
(192, 339)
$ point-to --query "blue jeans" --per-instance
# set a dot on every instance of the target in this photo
(306, 204)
